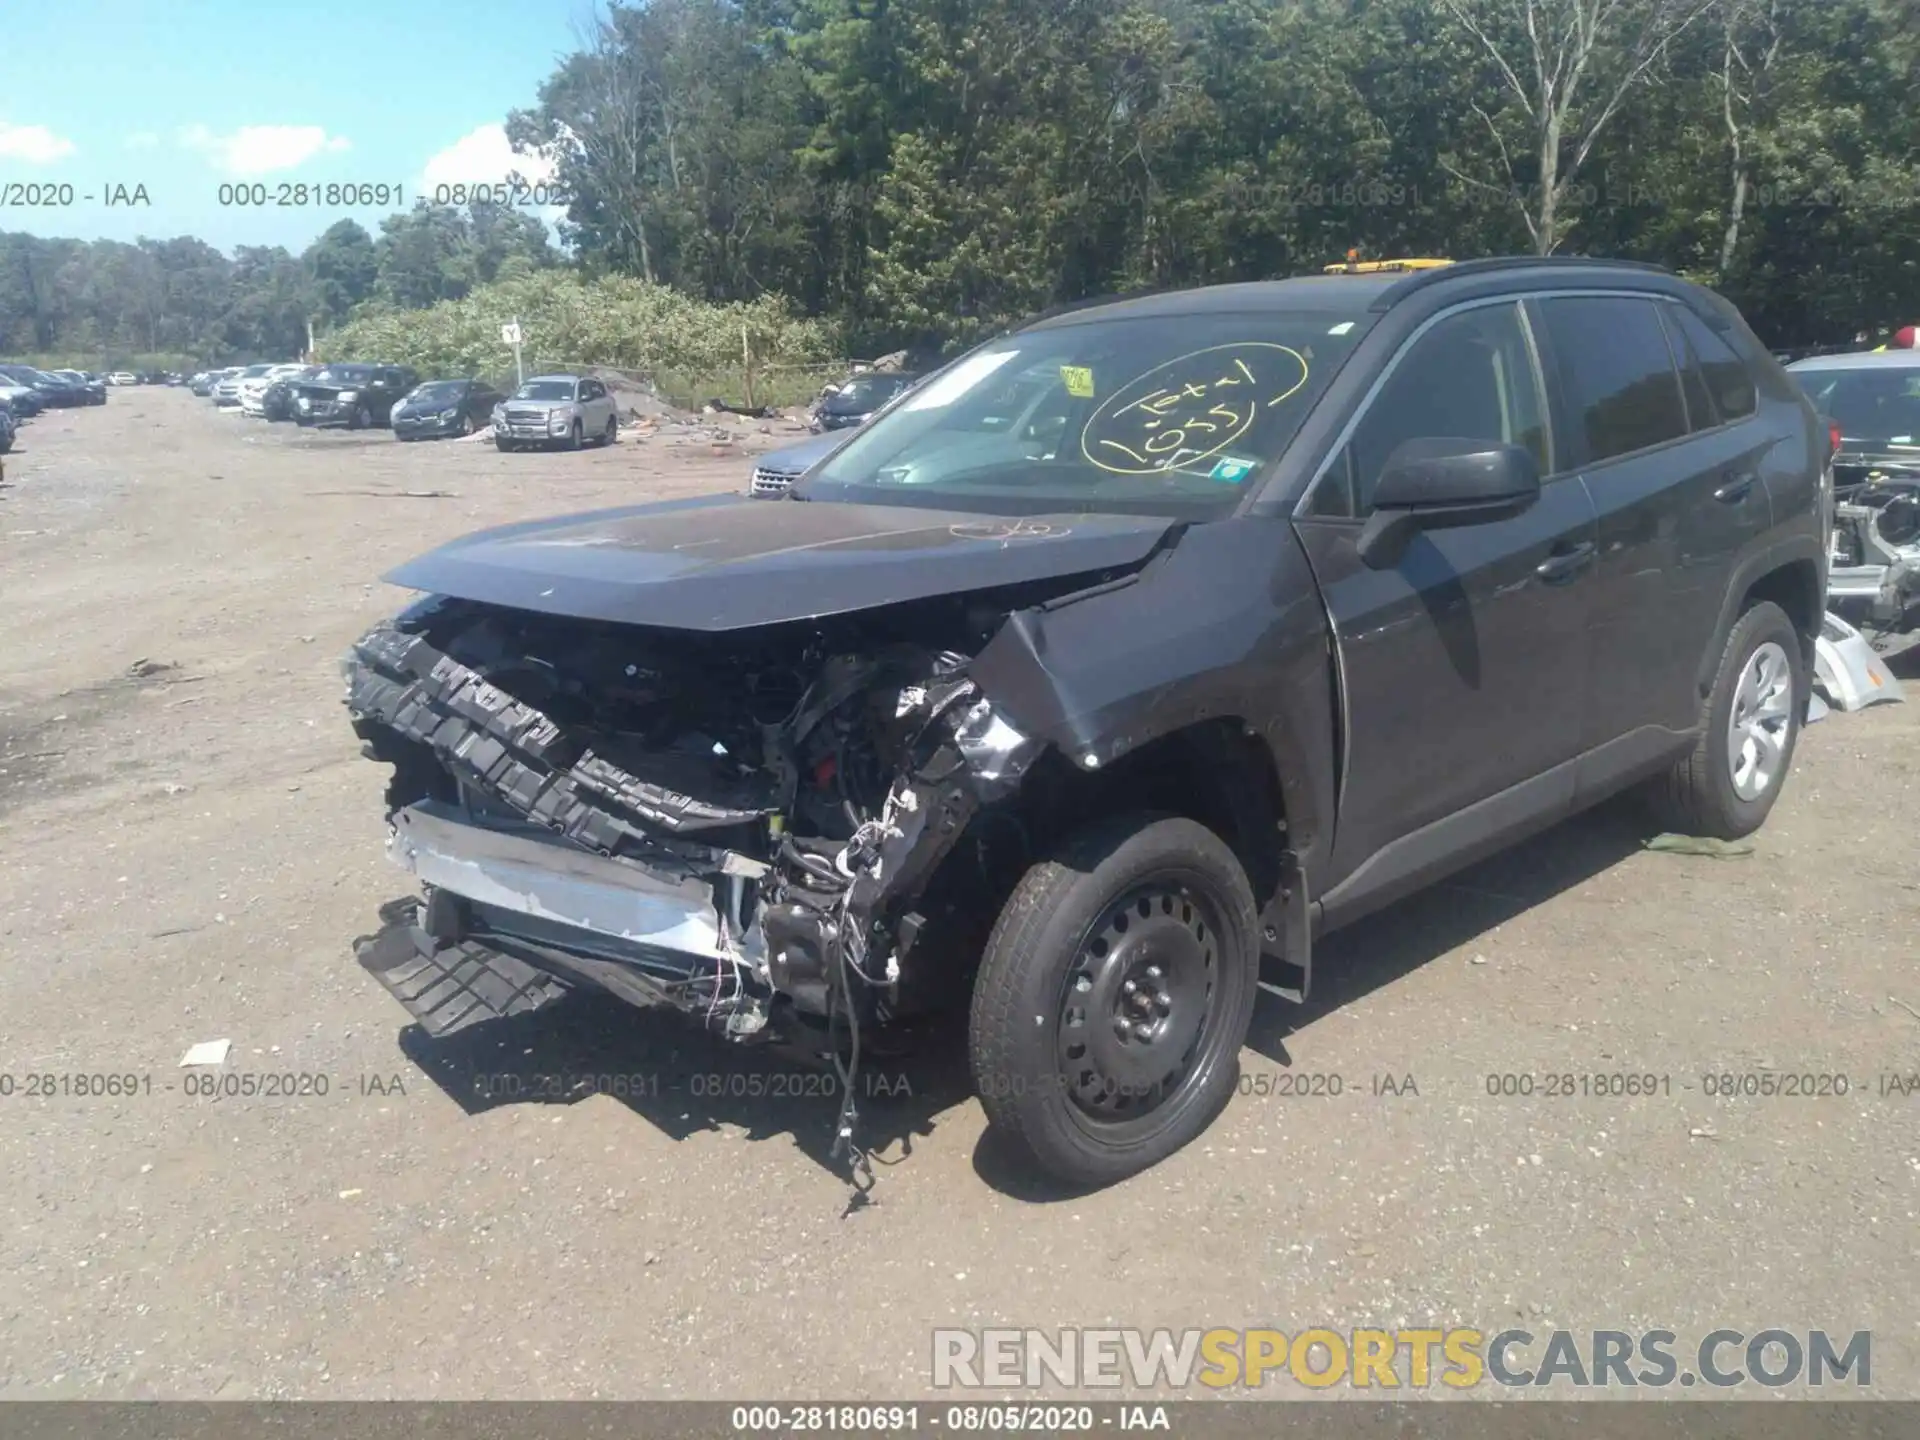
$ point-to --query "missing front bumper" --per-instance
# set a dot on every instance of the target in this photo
(526, 875)
(507, 904)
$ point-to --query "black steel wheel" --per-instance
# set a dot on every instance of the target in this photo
(1114, 996)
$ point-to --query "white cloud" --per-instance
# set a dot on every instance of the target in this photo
(483, 157)
(262, 149)
(32, 144)
(142, 140)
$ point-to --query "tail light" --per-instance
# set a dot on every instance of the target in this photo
(1833, 438)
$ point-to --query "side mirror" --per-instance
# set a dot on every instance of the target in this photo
(1440, 482)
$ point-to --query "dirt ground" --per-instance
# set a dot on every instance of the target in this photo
(190, 843)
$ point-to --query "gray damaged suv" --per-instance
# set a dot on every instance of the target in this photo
(567, 410)
(1141, 644)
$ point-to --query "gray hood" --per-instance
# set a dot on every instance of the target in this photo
(728, 563)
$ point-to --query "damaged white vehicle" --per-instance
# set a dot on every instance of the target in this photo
(1873, 403)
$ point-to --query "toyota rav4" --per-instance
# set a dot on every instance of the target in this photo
(1152, 639)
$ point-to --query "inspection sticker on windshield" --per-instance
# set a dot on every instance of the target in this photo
(1231, 469)
(1079, 380)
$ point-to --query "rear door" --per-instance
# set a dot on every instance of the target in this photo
(1676, 493)
(1463, 668)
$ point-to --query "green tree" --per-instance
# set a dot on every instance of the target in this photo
(343, 266)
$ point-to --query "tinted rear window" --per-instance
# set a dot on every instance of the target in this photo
(1726, 373)
(1615, 372)
(1701, 411)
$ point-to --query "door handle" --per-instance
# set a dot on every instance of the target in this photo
(1735, 489)
(1564, 562)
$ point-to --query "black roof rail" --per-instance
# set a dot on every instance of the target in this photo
(1421, 279)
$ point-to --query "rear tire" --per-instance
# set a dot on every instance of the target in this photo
(1113, 998)
(1749, 724)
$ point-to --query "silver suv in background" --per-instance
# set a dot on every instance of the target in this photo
(564, 410)
(226, 393)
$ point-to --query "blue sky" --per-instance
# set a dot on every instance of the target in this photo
(183, 96)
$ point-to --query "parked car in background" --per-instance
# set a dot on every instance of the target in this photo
(7, 427)
(199, 382)
(775, 471)
(92, 387)
(60, 392)
(854, 402)
(17, 388)
(354, 395)
(123, 377)
(276, 402)
(253, 392)
(1872, 400)
(548, 410)
(445, 407)
(227, 393)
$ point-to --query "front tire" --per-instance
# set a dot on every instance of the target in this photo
(1113, 998)
(612, 432)
(575, 437)
(361, 418)
(1749, 724)
(502, 444)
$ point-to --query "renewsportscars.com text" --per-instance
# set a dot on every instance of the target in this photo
(1369, 1359)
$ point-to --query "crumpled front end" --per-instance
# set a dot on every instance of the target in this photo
(742, 828)
(1874, 573)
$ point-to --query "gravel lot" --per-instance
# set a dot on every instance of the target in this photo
(191, 844)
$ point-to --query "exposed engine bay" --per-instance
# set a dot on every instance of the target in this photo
(1874, 576)
(742, 825)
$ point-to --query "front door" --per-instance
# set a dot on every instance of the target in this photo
(1465, 666)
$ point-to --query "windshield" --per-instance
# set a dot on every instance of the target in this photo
(254, 372)
(1159, 414)
(1876, 408)
(439, 392)
(545, 390)
(868, 392)
(346, 374)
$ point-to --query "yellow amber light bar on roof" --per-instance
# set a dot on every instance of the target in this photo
(1380, 267)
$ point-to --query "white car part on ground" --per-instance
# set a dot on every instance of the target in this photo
(1847, 671)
